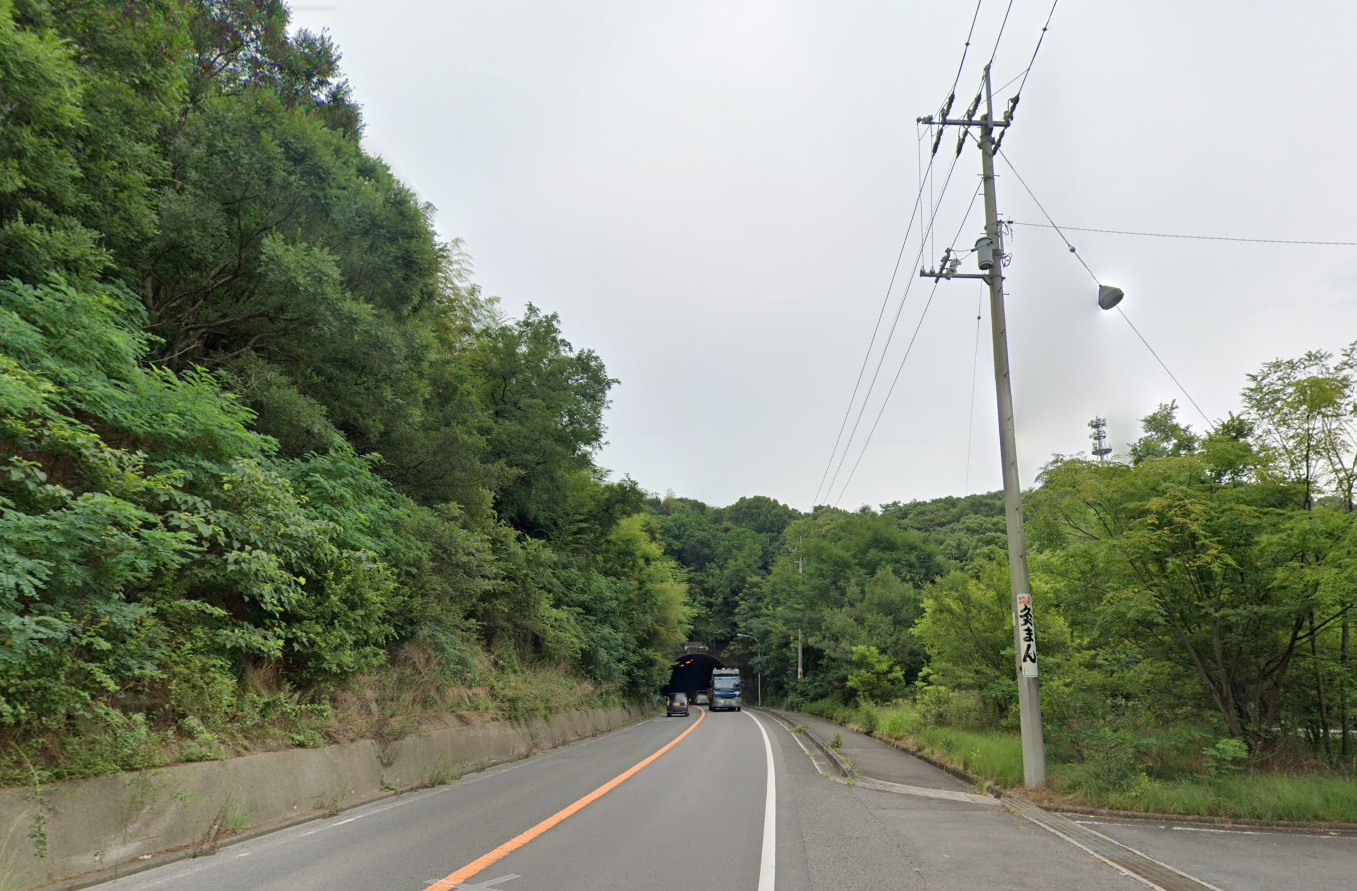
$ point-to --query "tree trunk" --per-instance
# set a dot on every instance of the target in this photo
(1220, 692)
(1343, 695)
(1319, 691)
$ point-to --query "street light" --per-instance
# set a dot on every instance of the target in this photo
(757, 674)
(1109, 296)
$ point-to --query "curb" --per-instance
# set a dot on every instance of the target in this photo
(990, 788)
(188, 852)
(1349, 829)
(997, 791)
(838, 760)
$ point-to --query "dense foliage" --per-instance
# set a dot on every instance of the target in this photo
(1194, 598)
(273, 470)
(264, 446)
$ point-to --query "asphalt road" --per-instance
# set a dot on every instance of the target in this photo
(648, 807)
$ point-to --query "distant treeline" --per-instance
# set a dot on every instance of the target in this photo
(1199, 587)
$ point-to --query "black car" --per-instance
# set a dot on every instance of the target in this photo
(678, 705)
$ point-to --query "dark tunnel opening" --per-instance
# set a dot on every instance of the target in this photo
(692, 673)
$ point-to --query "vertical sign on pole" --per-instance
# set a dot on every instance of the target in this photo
(1027, 635)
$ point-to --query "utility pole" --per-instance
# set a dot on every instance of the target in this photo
(798, 654)
(990, 254)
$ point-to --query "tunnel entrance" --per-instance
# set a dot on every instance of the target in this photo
(692, 673)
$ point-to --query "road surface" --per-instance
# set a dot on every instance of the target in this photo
(714, 801)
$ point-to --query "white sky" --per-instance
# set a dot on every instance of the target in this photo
(713, 194)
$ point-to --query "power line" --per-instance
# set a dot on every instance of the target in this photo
(1194, 237)
(923, 246)
(1014, 104)
(1042, 208)
(1094, 276)
(932, 199)
(880, 412)
(868, 441)
(969, 34)
(886, 300)
(1002, 26)
(1012, 80)
(876, 329)
(970, 418)
(1165, 367)
(935, 204)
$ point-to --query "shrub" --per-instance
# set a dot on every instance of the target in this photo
(1221, 757)
(874, 678)
(1110, 763)
(945, 707)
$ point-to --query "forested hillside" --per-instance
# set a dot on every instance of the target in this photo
(274, 470)
(1194, 599)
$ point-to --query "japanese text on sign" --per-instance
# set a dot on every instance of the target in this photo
(1027, 636)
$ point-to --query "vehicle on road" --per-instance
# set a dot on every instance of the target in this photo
(725, 689)
(678, 705)
(702, 697)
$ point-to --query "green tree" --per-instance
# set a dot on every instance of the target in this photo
(967, 630)
(1163, 436)
(40, 173)
(545, 403)
(874, 677)
(1207, 577)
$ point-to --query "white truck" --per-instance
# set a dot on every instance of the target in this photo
(725, 689)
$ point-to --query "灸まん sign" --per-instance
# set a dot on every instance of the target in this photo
(1027, 636)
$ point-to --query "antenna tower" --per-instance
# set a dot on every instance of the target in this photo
(1099, 437)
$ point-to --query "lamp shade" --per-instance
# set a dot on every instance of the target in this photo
(1109, 296)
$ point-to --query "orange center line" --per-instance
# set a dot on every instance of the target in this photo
(522, 839)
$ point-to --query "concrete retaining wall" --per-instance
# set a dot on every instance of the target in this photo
(107, 826)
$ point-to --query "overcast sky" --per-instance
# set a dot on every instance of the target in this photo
(712, 195)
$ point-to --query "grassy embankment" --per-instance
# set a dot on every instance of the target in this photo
(263, 713)
(996, 755)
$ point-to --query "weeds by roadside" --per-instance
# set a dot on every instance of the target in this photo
(442, 774)
(206, 714)
(1216, 784)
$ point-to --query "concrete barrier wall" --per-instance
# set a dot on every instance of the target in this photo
(107, 826)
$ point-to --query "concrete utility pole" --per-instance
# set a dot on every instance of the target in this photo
(990, 255)
(798, 654)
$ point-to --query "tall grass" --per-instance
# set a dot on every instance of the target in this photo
(1255, 796)
(996, 755)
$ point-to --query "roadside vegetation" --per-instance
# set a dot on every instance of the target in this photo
(273, 470)
(1217, 782)
(1194, 597)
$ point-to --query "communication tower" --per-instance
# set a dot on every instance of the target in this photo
(1099, 437)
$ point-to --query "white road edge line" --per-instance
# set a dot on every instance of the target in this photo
(768, 861)
(822, 771)
(1139, 878)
